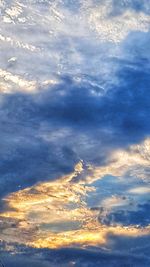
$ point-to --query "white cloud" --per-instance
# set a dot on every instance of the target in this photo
(131, 163)
(60, 40)
(115, 28)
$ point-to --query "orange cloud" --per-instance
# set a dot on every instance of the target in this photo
(55, 214)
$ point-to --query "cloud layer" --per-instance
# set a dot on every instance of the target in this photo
(74, 133)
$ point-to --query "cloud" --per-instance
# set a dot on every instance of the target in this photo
(60, 37)
(79, 257)
(48, 132)
(57, 214)
(112, 20)
(136, 5)
(74, 120)
(126, 217)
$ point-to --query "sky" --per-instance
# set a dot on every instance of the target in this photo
(74, 133)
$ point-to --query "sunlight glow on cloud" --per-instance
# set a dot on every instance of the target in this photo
(11, 83)
(123, 163)
(56, 213)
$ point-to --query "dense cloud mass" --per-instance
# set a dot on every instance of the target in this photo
(77, 257)
(75, 133)
(44, 131)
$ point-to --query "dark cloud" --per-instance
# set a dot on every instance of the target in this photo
(125, 217)
(135, 245)
(44, 135)
(89, 257)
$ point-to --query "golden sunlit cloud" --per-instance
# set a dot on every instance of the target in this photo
(55, 213)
